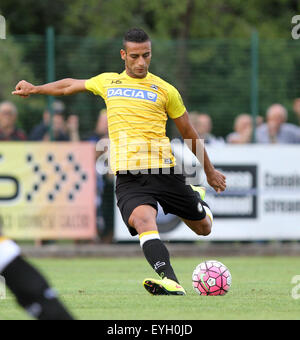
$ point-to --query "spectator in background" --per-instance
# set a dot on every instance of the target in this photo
(58, 129)
(203, 125)
(259, 121)
(105, 183)
(72, 126)
(62, 130)
(242, 130)
(296, 107)
(8, 119)
(39, 131)
(276, 129)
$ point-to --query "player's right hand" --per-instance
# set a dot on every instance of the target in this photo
(216, 180)
(23, 89)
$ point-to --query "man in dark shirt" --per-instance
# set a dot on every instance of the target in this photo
(63, 130)
(41, 132)
(8, 118)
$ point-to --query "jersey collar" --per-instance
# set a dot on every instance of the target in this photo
(124, 74)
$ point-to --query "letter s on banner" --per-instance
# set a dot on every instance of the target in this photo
(296, 29)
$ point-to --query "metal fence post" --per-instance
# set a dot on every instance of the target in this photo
(50, 66)
(254, 80)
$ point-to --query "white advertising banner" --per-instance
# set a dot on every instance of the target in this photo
(261, 202)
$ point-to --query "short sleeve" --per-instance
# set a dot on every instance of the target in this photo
(175, 105)
(95, 85)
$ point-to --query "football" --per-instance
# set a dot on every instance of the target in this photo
(211, 278)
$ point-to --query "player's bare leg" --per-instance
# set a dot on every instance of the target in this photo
(143, 219)
(202, 227)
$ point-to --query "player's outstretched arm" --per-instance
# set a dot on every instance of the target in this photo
(214, 177)
(64, 87)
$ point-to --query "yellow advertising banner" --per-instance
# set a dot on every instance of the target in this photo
(47, 190)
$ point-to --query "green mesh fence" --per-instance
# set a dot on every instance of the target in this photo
(214, 76)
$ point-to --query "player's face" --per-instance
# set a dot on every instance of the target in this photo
(137, 57)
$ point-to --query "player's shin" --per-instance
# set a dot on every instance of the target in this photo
(157, 254)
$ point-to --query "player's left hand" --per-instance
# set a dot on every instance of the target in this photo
(216, 180)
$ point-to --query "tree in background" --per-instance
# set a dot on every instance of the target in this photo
(212, 73)
(12, 69)
(168, 19)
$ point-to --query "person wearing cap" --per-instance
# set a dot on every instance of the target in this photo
(8, 118)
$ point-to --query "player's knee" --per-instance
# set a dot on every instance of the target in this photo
(140, 223)
(143, 218)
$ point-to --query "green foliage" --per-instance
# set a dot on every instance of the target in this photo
(164, 19)
(12, 70)
(202, 47)
(213, 77)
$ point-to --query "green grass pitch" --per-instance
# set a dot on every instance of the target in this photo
(111, 289)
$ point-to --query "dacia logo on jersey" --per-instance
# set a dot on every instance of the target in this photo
(132, 93)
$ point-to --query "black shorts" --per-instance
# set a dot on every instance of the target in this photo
(170, 190)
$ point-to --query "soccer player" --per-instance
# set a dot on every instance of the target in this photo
(138, 106)
(32, 291)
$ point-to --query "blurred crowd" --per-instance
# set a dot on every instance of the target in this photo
(58, 126)
(274, 128)
(59, 129)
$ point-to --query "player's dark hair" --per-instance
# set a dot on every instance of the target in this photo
(135, 35)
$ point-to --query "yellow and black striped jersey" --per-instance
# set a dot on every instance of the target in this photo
(137, 112)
